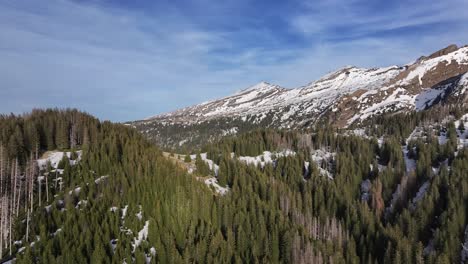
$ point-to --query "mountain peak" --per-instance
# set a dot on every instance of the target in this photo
(261, 87)
(444, 51)
(348, 94)
(449, 49)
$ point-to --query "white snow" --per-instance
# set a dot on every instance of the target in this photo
(55, 157)
(462, 84)
(231, 131)
(57, 231)
(462, 135)
(410, 163)
(98, 180)
(420, 194)
(265, 158)
(310, 101)
(76, 191)
(139, 215)
(124, 211)
(321, 156)
(113, 244)
(398, 98)
(264, 98)
(426, 98)
(182, 142)
(81, 202)
(426, 65)
(142, 236)
(212, 181)
(211, 164)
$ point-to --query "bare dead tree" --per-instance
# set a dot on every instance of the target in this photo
(10, 212)
(27, 227)
(73, 132)
(2, 219)
(19, 197)
(31, 190)
(47, 187)
(15, 176)
(39, 186)
(26, 188)
(1, 169)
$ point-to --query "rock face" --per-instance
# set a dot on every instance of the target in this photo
(344, 97)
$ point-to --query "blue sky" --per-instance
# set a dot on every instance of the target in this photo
(124, 60)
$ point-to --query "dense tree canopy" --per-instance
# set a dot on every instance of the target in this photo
(116, 197)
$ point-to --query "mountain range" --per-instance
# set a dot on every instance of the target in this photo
(360, 166)
(346, 97)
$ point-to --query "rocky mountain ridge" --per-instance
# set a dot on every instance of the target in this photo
(344, 97)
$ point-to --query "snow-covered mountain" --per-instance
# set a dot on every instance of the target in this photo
(346, 96)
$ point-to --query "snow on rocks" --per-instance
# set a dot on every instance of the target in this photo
(266, 158)
(211, 164)
(81, 203)
(410, 163)
(264, 98)
(426, 98)
(460, 56)
(54, 157)
(76, 191)
(397, 99)
(213, 182)
(462, 134)
(139, 215)
(365, 190)
(231, 131)
(352, 93)
(420, 194)
(151, 254)
(113, 244)
(124, 211)
(462, 84)
(98, 180)
(323, 158)
(142, 236)
(57, 232)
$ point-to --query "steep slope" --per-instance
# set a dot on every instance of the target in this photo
(346, 96)
(109, 196)
(424, 83)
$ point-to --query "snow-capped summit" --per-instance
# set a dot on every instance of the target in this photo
(348, 95)
(260, 87)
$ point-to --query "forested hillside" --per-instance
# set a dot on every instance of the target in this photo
(77, 190)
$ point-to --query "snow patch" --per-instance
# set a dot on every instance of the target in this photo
(214, 182)
(142, 236)
(55, 157)
(124, 211)
(266, 158)
(420, 194)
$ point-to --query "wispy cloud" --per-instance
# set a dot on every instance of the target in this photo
(128, 62)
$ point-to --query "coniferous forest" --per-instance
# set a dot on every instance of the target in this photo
(78, 190)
